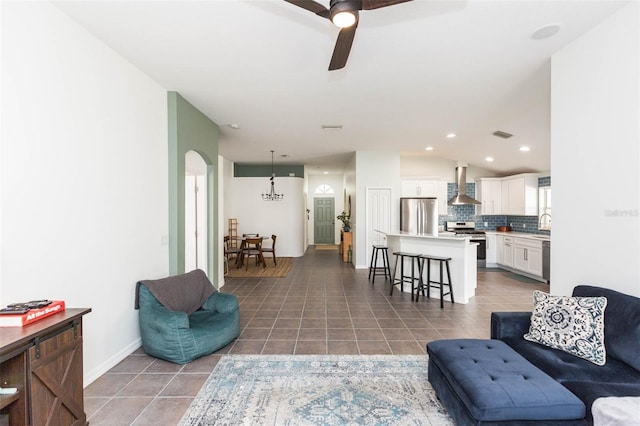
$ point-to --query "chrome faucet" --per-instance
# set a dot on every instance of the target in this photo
(540, 219)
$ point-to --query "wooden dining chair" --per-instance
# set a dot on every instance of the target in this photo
(229, 252)
(271, 249)
(253, 247)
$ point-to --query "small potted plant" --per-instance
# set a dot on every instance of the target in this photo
(344, 218)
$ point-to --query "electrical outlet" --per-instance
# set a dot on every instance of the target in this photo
(524, 225)
(486, 224)
(511, 224)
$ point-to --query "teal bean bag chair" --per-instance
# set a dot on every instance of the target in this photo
(184, 317)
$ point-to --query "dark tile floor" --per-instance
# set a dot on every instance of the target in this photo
(323, 306)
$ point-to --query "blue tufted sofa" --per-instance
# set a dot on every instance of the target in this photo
(511, 381)
(620, 376)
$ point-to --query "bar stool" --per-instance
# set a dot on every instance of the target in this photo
(410, 279)
(374, 269)
(428, 283)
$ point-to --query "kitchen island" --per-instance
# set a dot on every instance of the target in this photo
(462, 252)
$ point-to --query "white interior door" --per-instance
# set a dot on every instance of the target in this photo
(378, 217)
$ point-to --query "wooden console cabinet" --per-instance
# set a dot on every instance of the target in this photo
(346, 241)
(44, 361)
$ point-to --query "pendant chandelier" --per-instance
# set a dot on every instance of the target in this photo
(272, 195)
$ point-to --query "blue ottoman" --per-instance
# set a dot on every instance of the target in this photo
(485, 382)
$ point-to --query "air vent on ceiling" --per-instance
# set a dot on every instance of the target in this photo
(501, 134)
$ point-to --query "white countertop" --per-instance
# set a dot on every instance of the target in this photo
(448, 235)
(536, 237)
(441, 236)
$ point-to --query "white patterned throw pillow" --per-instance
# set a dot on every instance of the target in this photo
(571, 324)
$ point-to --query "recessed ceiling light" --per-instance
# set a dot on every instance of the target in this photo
(545, 31)
(489, 159)
(325, 172)
(525, 149)
(429, 148)
(451, 135)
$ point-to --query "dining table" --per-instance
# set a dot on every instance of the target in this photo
(243, 249)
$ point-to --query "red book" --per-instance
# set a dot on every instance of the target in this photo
(31, 316)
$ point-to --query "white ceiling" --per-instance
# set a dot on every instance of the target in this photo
(416, 72)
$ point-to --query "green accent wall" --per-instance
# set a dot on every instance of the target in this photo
(264, 170)
(190, 129)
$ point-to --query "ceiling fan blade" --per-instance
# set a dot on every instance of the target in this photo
(311, 6)
(343, 47)
(377, 4)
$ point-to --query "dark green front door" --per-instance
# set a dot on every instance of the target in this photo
(324, 221)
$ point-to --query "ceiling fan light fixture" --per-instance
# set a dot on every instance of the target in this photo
(344, 19)
(344, 14)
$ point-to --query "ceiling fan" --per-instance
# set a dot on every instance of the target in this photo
(343, 14)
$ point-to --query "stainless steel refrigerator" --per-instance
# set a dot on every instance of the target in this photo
(419, 215)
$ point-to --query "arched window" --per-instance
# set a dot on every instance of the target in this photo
(324, 189)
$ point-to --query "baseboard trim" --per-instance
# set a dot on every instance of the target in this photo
(94, 374)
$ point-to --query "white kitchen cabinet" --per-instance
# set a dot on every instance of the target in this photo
(489, 193)
(427, 188)
(520, 195)
(409, 188)
(500, 249)
(507, 252)
(534, 256)
(491, 241)
(527, 255)
(520, 257)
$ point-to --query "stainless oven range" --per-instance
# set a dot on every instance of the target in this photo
(479, 237)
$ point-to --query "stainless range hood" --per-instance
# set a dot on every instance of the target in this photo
(461, 183)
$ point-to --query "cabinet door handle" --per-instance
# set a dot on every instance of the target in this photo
(526, 254)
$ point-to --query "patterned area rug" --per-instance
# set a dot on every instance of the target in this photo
(318, 390)
(258, 271)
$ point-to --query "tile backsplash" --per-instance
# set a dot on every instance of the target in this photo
(460, 213)
(468, 213)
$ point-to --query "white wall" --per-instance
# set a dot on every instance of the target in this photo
(595, 157)
(426, 166)
(336, 182)
(380, 170)
(84, 177)
(285, 218)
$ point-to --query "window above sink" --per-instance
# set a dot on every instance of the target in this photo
(544, 208)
